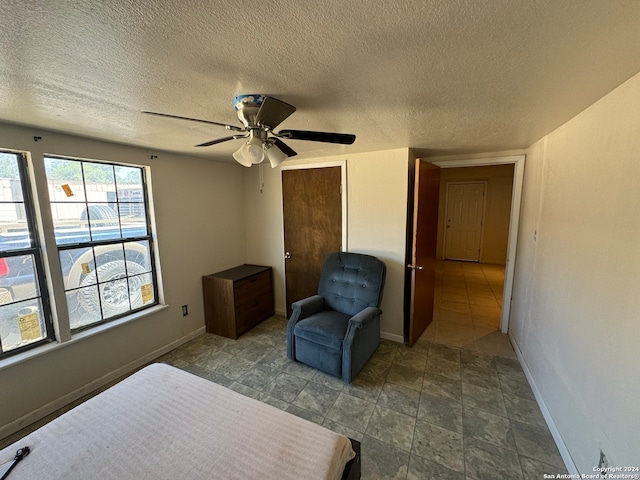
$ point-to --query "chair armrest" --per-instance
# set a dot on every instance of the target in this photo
(361, 318)
(301, 310)
(361, 340)
(307, 307)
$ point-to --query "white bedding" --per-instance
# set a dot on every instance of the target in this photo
(164, 423)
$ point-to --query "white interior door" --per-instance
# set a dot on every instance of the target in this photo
(464, 216)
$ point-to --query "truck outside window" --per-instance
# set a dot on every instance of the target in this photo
(104, 239)
(103, 234)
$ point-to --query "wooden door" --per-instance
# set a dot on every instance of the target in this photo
(312, 216)
(465, 210)
(424, 236)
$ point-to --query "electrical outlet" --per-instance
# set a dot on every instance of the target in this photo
(185, 310)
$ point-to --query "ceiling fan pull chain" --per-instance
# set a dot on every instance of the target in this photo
(261, 169)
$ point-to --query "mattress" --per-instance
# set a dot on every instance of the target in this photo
(164, 423)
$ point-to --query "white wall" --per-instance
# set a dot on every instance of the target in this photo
(377, 209)
(576, 301)
(199, 215)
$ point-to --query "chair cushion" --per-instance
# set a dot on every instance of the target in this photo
(351, 282)
(326, 328)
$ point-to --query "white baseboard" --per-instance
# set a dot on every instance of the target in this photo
(70, 397)
(391, 336)
(555, 433)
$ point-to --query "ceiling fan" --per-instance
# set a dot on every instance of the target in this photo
(260, 114)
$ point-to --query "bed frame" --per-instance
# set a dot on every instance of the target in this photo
(353, 469)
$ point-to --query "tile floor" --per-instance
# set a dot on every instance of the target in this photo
(468, 304)
(434, 411)
(455, 406)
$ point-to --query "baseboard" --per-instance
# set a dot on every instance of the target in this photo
(391, 336)
(555, 433)
(55, 405)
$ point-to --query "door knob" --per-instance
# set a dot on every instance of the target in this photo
(415, 267)
(287, 255)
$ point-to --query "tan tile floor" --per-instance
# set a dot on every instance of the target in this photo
(468, 304)
(455, 406)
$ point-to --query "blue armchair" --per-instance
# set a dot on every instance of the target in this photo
(338, 330)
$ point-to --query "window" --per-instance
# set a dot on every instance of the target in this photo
(102, 230)
(25, 318)
(103, 233)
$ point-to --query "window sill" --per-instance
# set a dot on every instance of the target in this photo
(49, 347)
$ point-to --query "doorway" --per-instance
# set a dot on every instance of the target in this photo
(517, 161)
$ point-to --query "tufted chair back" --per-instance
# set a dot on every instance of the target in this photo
(350, 282)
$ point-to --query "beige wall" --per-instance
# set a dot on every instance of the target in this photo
(576, 302)
(199, 211)
(495, 234)
(377, 208)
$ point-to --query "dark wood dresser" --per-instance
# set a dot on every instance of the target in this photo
(237, 299)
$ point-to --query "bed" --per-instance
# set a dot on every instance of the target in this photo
(165, 423)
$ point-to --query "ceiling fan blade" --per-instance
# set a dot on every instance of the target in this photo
(228, 127)
(284, 148)
(273, 112)
(216, 141)
(343, 138)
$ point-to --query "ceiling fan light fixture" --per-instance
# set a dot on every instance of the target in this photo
(275, 155)
(251, 153)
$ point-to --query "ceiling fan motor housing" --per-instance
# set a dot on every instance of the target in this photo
(247, 107)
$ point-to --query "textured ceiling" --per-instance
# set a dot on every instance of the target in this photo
(447, 76)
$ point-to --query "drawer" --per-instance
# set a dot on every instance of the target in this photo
(259, 294)
(250, 287)
(252, 312)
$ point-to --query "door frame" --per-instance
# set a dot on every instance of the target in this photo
(514, 218)
(343, 193)
(446, 208)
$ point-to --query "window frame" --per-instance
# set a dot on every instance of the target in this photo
(50, 274)
(149, 237)
(36, 251)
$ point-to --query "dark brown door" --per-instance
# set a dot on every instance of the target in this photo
(312, 215)
(424, 236)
